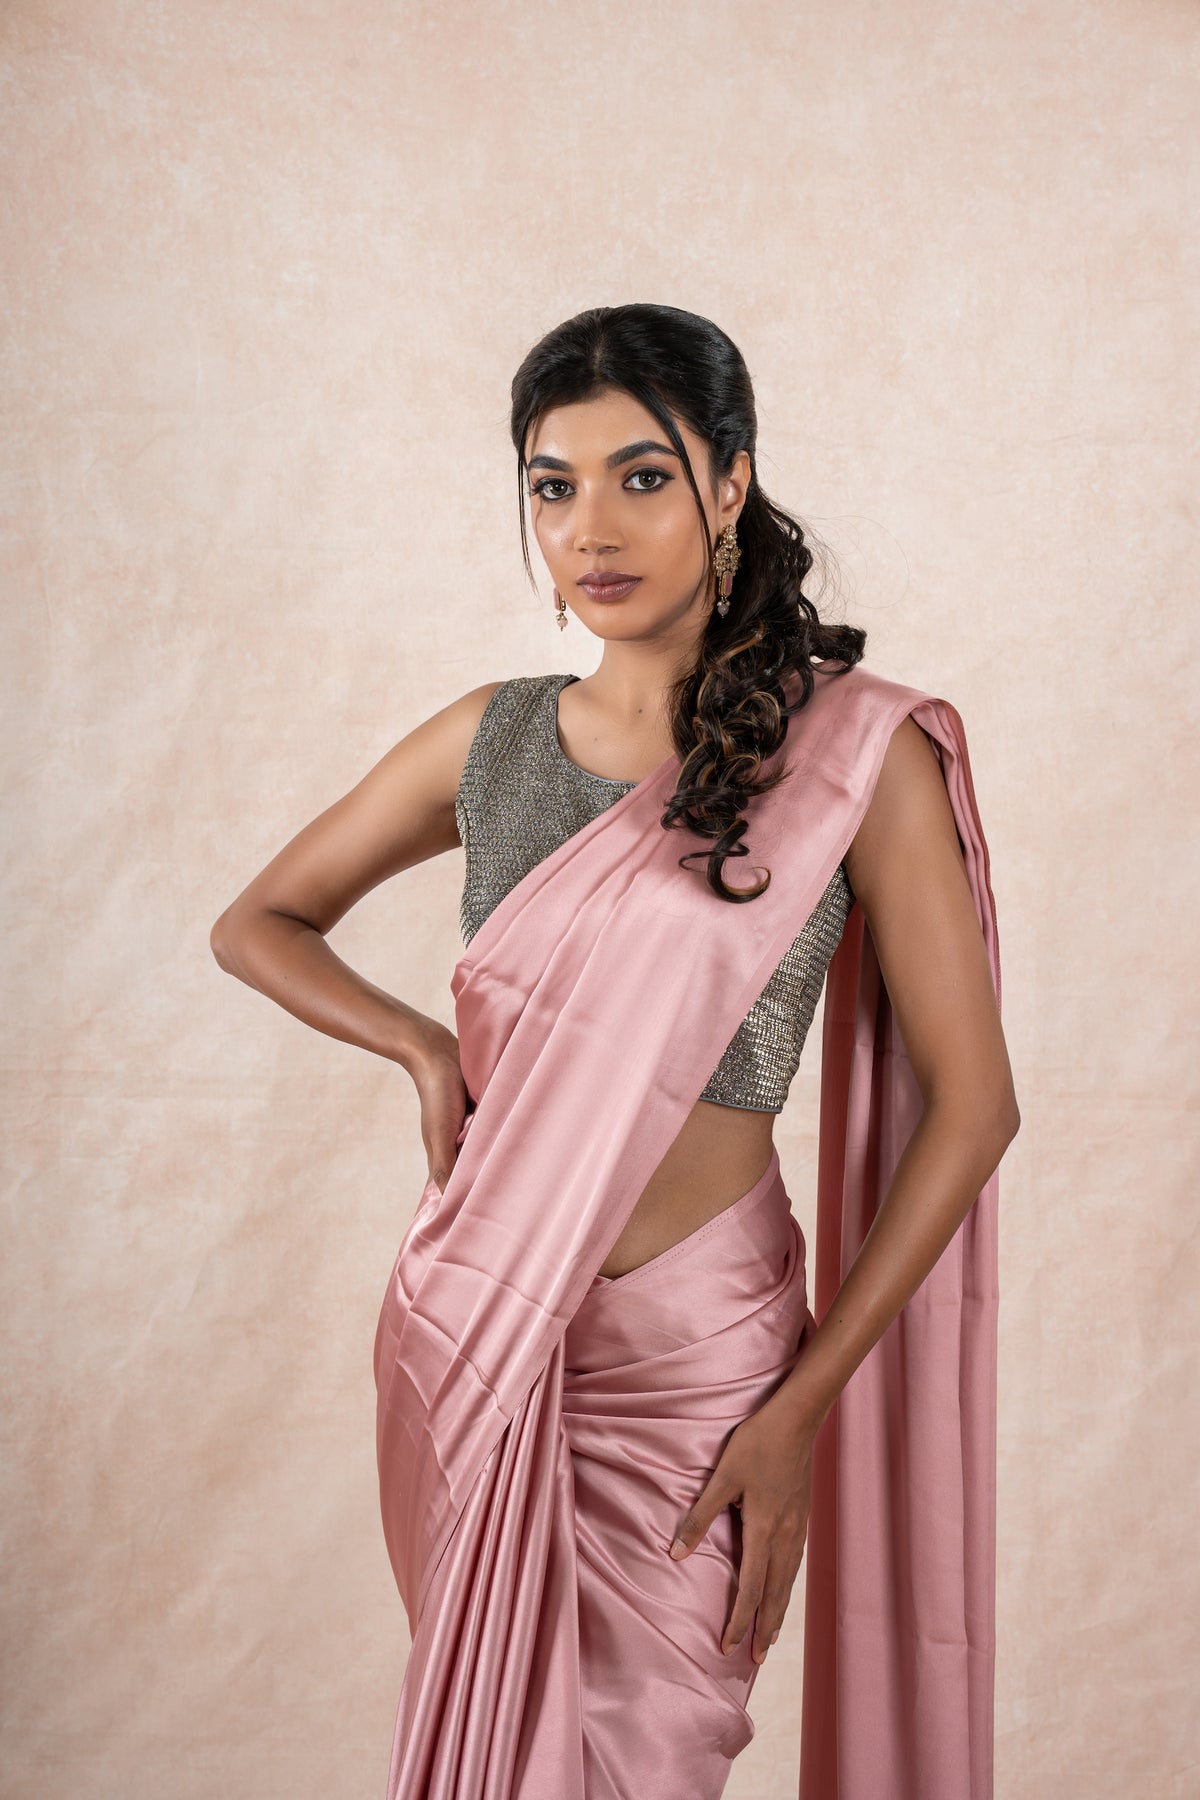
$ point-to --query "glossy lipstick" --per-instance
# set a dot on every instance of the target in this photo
(607, 586)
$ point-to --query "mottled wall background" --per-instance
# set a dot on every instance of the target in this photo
(269, 267)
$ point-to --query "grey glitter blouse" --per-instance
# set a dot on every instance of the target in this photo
(520, 796)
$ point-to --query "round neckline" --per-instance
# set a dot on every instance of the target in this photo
(608, 780)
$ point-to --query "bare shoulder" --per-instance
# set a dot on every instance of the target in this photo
(418, 778)
(907, 869)
(401, 812)
(909, 818)
(444, 738)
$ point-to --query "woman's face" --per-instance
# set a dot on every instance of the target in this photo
(609, 496)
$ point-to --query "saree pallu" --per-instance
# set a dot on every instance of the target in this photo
(540, 1431)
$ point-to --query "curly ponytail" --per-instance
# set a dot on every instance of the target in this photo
(729, 713)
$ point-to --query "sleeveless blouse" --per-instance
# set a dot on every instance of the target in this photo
(520, 796)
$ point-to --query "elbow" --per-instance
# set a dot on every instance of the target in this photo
(219, 943)
(1010, 1124)
(983, 1115)
(1006, 1123)
(1010, 1113)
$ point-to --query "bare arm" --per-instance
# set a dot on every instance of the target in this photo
(273, 935)
(907, 871)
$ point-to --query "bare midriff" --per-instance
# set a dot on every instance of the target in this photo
(717, 1157)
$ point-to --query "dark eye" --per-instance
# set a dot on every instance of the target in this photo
(547, 482)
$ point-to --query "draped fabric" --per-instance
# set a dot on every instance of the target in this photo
(551, 1655)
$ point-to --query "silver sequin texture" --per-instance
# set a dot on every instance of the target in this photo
(521, 796)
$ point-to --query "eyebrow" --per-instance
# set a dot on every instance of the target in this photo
(643, 447)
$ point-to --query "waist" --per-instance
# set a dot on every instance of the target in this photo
(720, 1153)
(745, 1268)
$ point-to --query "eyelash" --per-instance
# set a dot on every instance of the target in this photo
(553, 480)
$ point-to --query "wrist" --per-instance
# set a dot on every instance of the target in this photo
(801, 1420)
(801, 1406)
(419, 1042)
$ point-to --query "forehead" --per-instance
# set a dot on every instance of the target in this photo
(588, 431)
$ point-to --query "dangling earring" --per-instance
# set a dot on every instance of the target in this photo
(726, 558)
(560, 610)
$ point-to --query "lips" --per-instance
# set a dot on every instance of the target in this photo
(612, 585)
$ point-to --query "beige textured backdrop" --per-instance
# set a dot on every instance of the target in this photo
(270, 267)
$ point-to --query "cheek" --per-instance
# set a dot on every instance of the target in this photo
(677, 536)
(550, 540)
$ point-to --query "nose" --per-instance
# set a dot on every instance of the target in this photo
(595, 543)
(593, 533)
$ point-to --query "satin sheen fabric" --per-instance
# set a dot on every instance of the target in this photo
(627, 1642)
(547, 1660)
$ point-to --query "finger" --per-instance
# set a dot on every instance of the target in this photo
(768, 1620)
(694, 1524)
(443, 1154)
(752, 1577)
(785, 1558)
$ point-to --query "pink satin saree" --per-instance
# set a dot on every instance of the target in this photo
(540, 1430)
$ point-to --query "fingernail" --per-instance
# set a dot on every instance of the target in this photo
(760, 1656)
(775, 1634)
(678, 1549)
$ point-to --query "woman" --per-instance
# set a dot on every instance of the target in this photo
(605, 1408)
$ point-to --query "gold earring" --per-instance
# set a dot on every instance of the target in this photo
(560, 610)
(726, 558)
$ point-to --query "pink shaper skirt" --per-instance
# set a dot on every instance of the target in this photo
(660, 1366)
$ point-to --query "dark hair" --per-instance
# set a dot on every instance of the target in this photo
(729, 712)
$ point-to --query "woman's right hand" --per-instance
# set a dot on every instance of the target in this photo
(437, 1076)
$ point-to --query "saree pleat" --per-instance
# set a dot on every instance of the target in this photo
(491, 1698)
(649, 1402)
(540, 1431)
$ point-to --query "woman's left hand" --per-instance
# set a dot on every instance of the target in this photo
(765, 1471)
